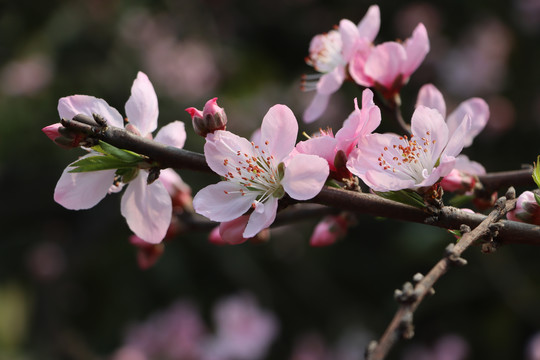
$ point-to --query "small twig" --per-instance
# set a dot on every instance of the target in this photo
(401, 325)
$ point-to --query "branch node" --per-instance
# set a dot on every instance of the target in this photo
(510, 193)
(454, 257)
(464, 228)
(500, 203)
(100, 120)
(489, 247)
(406, 295)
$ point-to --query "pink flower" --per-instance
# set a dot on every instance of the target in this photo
(212, 118)
(390, 64)
(475, 108)
(147, 208)
(258, 173)
(329, 54)
(360, 123)
(387, 162)
(244, 331)
(329, 230)
(527, 209)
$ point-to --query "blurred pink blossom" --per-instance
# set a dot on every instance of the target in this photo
(532, 351)
(243, 331)
(26, 76)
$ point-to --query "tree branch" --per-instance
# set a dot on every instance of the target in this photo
(401, 325)
(448, 217)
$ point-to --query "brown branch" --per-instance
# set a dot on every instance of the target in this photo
(493, 181)
(411, 297)
(448, 217)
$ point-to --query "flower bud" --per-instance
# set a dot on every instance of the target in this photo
(147, 254)
(62, 136)
(458, 181)
(212, 118)
(527, 209)
(329, 230)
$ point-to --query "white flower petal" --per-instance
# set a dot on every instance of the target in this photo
(262, 218)
(70, 106)
(217, 205)
(142, 106)
(305, 176)
(76, 191)
(147, 208)
(279, 128)
(172, 134)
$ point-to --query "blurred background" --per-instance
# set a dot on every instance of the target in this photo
(70, 284)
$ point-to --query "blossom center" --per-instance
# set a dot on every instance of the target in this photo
(257, 172)
(325, 52)
(409, 157)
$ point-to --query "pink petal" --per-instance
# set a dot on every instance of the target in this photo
(142, 106)
(215, 204)
(262, 217)
(77, 191)
(305, 176)
(224, 145)
(330, 82)
(231, 232)
(381, 181)
(468, 166)
(316, 108)
(279, 128)
(429, 96)
(445, 167)
(365, 156)
(52, 131)
(349, 37)
(417, 48)
(369, 26)
(385, 63)
(478, 111)
(458, 138)
(70, 106)
(429, 124)
(172, 134)
(172, 181)
(357, 63)
(147, 208)
(323, 146)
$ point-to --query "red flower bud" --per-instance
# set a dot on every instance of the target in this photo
(212, 118)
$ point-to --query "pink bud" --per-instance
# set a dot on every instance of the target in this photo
(212, 118)
(62, 136)
(527, 209)
(147, 254)
(329, 230)
(457, 181)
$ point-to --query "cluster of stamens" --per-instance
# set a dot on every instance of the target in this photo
(257, 172)
(324, 58)
(410, 158)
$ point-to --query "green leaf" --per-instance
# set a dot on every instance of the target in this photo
(100, 162)
(404, 196)
(536, 172)
(125, 155)
(537, 198)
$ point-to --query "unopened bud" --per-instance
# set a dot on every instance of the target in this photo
(458, 181)
(329, 230)
(62, 136)
(212, 118)
(527, 209)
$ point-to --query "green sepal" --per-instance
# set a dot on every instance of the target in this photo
(125, 155)
(127, 174)
(404, 196)
(332, 183)
(536, 172)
